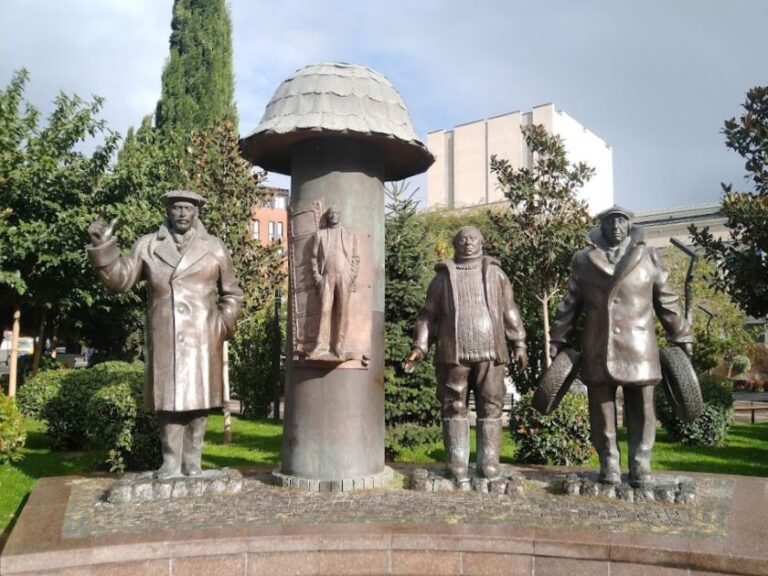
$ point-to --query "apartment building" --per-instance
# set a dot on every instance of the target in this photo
(461, 175)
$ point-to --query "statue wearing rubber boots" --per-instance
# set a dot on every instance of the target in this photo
(469, 313)
(619, 285)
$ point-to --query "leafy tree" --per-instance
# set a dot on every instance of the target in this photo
(535, 238)
(741, 263)
(411, 410)
(198, 82)
(719, 325)
(9, 278)
(47, 185)
(444, 223)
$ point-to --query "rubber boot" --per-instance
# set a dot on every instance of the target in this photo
(172, 444)
(488, 446)
(456, 442)
(602, 419)
(610, 472)
(194, 432)
(641, 433)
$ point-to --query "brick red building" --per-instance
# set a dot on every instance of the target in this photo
(269, 223)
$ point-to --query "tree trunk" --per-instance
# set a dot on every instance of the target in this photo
(40, 341)
(54, 341)
(545, 315)
(14, 359)
(227, 409)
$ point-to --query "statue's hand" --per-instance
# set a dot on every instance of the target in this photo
(554, 349)
(687, 347)
(101, 232)
(318, 280)
(520, 357)
(413, 360)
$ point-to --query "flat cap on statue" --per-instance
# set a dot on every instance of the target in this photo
(187, 195)
(615, 210)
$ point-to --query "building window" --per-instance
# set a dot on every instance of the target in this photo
(271, 230)
(279, 230)
(255, 229)
(278, 202)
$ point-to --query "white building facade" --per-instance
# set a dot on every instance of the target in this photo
(461, 174)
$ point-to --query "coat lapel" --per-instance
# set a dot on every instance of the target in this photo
(599, 259)
(198, 247)
(165, 248)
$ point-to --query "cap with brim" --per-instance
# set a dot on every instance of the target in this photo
(186, 195)
(615, 210)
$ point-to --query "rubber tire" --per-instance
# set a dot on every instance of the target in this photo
(681, 384)
(556, 381)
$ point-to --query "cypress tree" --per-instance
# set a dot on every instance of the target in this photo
(198, 82)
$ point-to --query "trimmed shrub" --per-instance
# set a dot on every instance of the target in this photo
(401, 436)
(709, 429)
(65, 412)
(562, 438)
(251, 361)
(101, 406)
(37, 392)
(12, 433)
(118, 419)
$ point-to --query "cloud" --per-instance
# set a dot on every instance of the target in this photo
(653, 78)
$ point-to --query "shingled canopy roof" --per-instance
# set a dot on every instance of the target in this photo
(337, 100)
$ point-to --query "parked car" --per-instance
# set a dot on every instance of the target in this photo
(26, 346)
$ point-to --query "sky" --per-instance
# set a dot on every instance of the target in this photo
(655, 79)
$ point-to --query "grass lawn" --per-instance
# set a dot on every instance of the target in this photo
(255, 443)
(745, 453)
(258, 443)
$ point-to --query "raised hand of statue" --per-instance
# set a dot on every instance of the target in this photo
(520, 357)
(554, 350)
(413, 360)
(101, 232)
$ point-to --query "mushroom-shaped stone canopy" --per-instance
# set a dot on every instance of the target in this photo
(343, 101)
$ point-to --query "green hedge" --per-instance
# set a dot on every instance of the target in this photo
(99, 406)
(401, 436)
(117, 419)
(36, 392)
(562, 438)
(251, 361)
(12, 433)
(709, 429)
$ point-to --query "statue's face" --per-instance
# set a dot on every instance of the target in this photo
(333, 215)
(468, 244)
(615, 228)
(181, 215)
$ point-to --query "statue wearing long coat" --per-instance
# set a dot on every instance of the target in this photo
(619, 303)
(194, 302)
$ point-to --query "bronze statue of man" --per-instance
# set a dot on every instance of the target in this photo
(194, 303)
(335, 264)
(619, 283)
(470, 312)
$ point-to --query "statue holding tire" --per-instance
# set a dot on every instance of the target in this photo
(619, 285)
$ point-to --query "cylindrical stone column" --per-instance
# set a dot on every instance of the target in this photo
(339, 130)
(334, 420)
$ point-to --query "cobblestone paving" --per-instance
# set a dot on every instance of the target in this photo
(261, 504)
